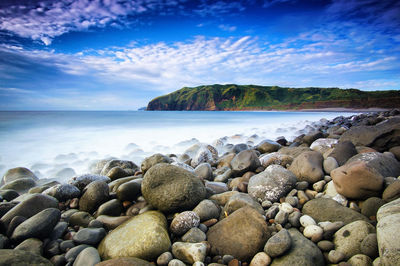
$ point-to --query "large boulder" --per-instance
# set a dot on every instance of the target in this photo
(17, 173)
(144, 236)
(380, 137)
(242, 234)
(153, 160)
(385, 164)
(303, 252)
(317, 209)
(271, 184)
(93, 196)
(245, 161)
(170, 188)
(308, 166)
(22, 257)
(388, 233)
(29, 207)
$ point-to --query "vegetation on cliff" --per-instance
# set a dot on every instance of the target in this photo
(253, 97)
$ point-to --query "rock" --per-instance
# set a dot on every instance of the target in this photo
(83, 180)
(164, 258)
(268, 146)
(294, 151)
(87, 257)
(112, 208)
(308, 167)
(319, 186)
(32, 245)
(380, 137)
(80, 218)
(325, 245)
(322, 144)
(194, 235)
(39, 225)
(58, 231)
(230, 236)
(245, 161)
(63, 192)
(369, 246)
(294, 219)
(302, 252)
(281, 217)
(370, 206)
(118, 172)
(21, 257)
(114, 185)
(89, 236)
(316, 208)
(240, 200)
(118, 163)
(52, 248)
(384, 163)
(216, 187)
(330, 164)
(306, 220)
(183, 222)
(17, 173)
(153, 160)
(392, 192)
(335, 256)
(278, 244)
(396, 152)
(128, 261)
(203, 155)
(313, 232)
(189, 252)
(260, 259)
(110, 222)
(357, 180)
(360, 260)
(143, 236)
(225, 161)
(388, 234)
(204, 171)
(20, 185)
(275, 158)
(272, 184)
(93, 196)
(170, 188)
(29, 207)
(8, 194)
(222, 199)
(343, 151)
(71, 254)
(176, 262)
(207, 209)
(348, 239)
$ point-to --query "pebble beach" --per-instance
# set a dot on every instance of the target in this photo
(330, 196)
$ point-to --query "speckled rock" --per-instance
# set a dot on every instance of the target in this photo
(189, 252)
(83, 180)
(204, 171)
(144, 236)
(63, 192)
(308, 167)
(184, 221)
(153, 160)
(271, 184)
(278, 244)
(170, 188)
(275, 158)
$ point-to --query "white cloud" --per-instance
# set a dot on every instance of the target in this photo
(228, 28)
(15, 91)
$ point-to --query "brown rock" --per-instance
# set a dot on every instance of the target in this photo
(396, 151)
(308, 167)
(392, 192)
(127, 261)
(343, 151)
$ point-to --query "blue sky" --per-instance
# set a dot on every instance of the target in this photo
(118, 55)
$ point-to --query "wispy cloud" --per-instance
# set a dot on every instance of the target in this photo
(227, 28)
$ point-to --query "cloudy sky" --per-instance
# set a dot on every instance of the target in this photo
(118, 55)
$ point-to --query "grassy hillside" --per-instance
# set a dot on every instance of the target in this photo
(253, 97)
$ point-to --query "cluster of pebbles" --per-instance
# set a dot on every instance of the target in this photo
(330, 197)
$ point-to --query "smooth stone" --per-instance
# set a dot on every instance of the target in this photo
(268, 146)
(245, 161)
(222, 198)
(114, 185)
(204, 171)
(317, 209)
(143, 236)
(322, 143)
(348, 239)
(294, 218)
(17, 173)
(183, 222)
(176, 262)
(66, 215)
(271, 184)
(278, 244)
(240, 200)
(313, 232)
(93, 196)
(307, 220)
(118, 163)
(73, 253)
(360, 260)
(118, 172)
(319, 186)
(194, 235)
(230, 236)
(203, 155)
(153, 160)
(80, 218)
(276, 158)
(330, 189)
(343, 151)
(52, 248)
(128, 261)
(330, 228)
(371, 206)
(326, 245)
(261, 259)
(164, 258)
(302, 252)
(308, 167)
(9, 194)
(58, 230)
(294, 151)
(63, 192)
(281, 217)
(392, 192)
(40, 225)
(111, 222)
(216, 187)
(33, 245)
(87, 257)
(388, 233)
(286, 207)
(17, 220)
(207, 209)
(83, 180)
(89, 236)
(111, 208)
(21, 185)
(66, 245)
(335, 256)
(170, 188)
(189, 252)
(22, 257)
(369, 246)
(384, 163)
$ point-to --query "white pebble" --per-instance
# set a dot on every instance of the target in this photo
(313, 231)
(306, 220)
(286, 207)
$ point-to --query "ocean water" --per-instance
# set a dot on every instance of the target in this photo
(58, 144)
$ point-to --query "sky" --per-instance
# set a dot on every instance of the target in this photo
(118, 54)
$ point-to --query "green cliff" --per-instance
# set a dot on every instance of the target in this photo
(253, 97)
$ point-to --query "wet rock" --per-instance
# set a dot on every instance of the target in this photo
(21, 185)
(58, 231)
(17, 173)
(183, 222)
(245, 161)
(371, 206)
(32, 245)
(271, 184)
(189, 252)
(308, 167)
(93, 196)
(71, 254)
(153, 160)
(207, 209)
(392, 192)
(9, 194)
(268, 146)
(128, 261)
(83, 180)
(204, 171)
(170, 188)
(111, 208)
(118, 163)
(63, 192)
(80, 218)
(112, 222)
(144, 236)
(89, 236)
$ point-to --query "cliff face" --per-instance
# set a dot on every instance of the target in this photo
(251, 97)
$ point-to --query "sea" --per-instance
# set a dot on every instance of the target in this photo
(62, 144)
